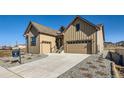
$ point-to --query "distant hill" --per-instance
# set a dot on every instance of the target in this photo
(108, 43)
(120, 43)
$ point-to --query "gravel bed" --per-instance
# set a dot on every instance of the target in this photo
(92, 67)
(24, 58)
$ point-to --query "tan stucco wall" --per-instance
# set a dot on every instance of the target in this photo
(51, 39)
(100, 41)
(34, 49)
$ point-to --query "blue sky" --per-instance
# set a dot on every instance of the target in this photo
(13, 27)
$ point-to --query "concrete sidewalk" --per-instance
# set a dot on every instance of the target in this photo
(5, 73)
(49, 67)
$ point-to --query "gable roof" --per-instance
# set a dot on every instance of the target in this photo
(78, 17)
(42, 29)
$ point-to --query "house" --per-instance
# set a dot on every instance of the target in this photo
(0, 47)
(80, 36)
(6, 47)
(21, 46)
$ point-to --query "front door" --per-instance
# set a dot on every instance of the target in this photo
(89, 47)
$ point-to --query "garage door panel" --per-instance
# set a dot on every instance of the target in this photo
(46, 48)
(77, 48)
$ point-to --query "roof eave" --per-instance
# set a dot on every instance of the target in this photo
(47, 34)
(27, 29)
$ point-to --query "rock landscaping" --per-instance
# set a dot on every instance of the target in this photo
(92, 67)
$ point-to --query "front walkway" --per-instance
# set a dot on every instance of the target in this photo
(49, 67)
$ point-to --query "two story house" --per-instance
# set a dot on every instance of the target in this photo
(80, 36)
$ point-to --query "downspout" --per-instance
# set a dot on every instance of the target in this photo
(96, 42)
(26, 41)
(40, 46)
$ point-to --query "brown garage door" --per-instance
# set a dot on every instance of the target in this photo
(46, 47)
(79, 47)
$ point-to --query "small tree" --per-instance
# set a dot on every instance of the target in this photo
(62, 28)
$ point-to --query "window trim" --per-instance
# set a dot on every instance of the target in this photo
(79, 42)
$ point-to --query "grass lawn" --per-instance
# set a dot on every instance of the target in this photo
(1, 62)
(5, 53)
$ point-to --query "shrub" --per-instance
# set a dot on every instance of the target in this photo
(89, 62)
(29, 58)
(84, 69)
(103, 66)
(88, 75)
(99, 61)
(92, 66)
(101, 73)
(22, 56)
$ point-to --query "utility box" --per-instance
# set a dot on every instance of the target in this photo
(16, 55)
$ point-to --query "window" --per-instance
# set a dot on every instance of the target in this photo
(46, 42)
(33, 41)
(77, 27)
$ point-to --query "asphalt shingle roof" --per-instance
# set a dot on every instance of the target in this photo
(43, 29)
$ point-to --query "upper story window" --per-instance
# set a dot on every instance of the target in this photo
(33, 41)
(77, 27)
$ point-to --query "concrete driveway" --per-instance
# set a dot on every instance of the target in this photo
(49, 67)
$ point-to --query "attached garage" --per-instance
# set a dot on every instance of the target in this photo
(83, 47)
(46, 47)
(80, 36)
(40, 39)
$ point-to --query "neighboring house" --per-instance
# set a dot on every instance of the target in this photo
(6, 47)
(121, 43)
(21, 46)
(108, 44)
(80, 36)
(0, 47)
